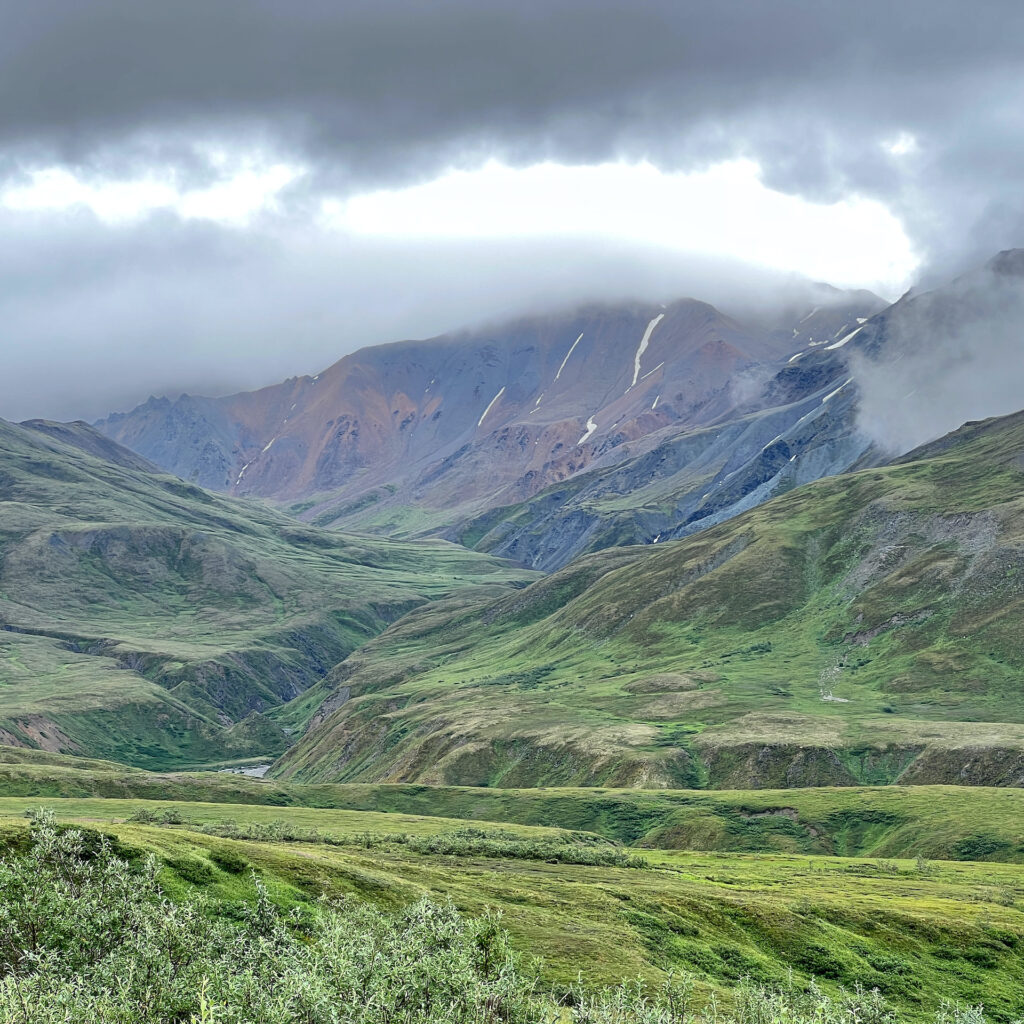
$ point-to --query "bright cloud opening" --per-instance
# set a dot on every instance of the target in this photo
(725, 210)
(244, 192)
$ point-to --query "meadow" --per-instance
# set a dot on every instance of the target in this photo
(917, 929)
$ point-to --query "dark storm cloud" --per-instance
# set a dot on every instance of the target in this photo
(378, 91)
(367, 93)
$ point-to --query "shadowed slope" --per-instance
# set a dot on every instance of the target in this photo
(149, 621)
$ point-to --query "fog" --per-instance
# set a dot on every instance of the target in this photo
(949, 357)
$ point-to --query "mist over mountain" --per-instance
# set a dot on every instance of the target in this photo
(548, 436)
(944, 357)
(416, 437)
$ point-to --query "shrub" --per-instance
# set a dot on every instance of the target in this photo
(192, 869)
(85, 938)
(89, 941)
(229, 860)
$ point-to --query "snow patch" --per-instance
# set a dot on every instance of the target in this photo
(644, 342)
(591, 427)
(832, 394)
(844, 341)
(655, 405)
(655, 370)
(567, 354)
(490, 404)
(793, 359)
(266, 447)
(812, 312)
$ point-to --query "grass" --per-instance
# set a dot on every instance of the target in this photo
(864, 629)
(935, 822)
(148, 621)
(919, 931)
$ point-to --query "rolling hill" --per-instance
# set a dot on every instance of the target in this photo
(145, 620)
(864, 628)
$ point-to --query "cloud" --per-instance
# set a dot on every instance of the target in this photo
(949, 356)
(914, 106)
(164, 305)
(374, 94)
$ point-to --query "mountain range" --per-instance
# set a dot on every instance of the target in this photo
(427, 437)
(749, 580)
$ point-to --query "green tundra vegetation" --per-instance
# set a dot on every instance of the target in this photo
(936, 822)
(226, 913)
(702, 781)
(864, 629)
(151, 622)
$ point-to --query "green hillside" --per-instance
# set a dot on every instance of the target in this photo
(147, 621)
(920, 932)
(864, 629)
(936, 822)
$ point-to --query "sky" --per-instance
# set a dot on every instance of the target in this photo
(209, 197)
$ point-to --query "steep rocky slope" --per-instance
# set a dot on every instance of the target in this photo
(407, 439)
(852, 398)
(863, 628)
(147, 620)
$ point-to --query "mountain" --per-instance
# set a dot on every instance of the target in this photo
(419, 437)
(145, 620)
(874, 387)
(864, 628)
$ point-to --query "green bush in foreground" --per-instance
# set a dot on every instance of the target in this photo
(87, 939)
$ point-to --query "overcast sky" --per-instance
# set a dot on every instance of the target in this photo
(213, 195)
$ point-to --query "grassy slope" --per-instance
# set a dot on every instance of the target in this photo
(937, 822)
(953, 930)
(897, 593)
(146, 620)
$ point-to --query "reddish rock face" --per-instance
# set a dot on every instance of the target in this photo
(472, 420)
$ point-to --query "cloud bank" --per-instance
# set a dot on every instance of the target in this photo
(914, 105)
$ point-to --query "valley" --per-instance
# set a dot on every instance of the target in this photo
(726, 696)
(511, 513)
(149, 621)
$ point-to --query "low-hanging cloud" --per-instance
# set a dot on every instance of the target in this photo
(166, 306)
(948, 357)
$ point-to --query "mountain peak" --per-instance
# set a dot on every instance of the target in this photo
(1009, 261)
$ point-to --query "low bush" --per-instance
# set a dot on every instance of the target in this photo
(193, 869)
(229, 860)
(465, 842)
